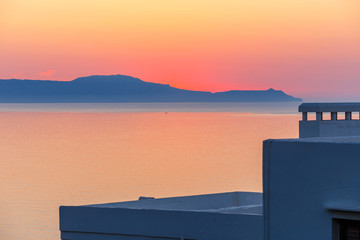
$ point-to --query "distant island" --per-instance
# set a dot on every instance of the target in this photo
(121, 88)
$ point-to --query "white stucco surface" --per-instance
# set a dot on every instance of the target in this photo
(330, 107)
(232, 202)
(308, 185)
(231, 216)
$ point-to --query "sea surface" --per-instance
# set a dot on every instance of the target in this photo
(74, 154)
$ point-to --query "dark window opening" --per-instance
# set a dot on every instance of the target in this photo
(349, 230)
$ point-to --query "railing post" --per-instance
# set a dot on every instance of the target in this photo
(304, 116)
(333, 116)
(347, 115)
(319, 116)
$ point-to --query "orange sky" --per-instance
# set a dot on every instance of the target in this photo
(309, 48)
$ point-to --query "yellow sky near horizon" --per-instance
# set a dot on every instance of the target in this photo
(196, 44)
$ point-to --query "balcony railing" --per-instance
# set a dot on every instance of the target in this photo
(333, 108)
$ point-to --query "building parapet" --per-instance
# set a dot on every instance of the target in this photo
(333, 108)
(230, 216)
(333, 127)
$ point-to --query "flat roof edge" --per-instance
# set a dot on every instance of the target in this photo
(332, 140)
(330, 107)
(180, 197)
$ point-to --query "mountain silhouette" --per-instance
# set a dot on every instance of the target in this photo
(121, 88)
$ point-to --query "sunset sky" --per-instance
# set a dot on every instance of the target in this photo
(308, 48)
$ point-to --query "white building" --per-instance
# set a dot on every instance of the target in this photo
(311, 191)
(216, 216)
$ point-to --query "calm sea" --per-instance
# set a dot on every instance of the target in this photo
(73, 154)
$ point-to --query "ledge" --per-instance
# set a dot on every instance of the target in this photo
(329, 107)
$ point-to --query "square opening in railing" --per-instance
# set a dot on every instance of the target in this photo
(311, 116)
(326, 116)
(355, 116)
(341, 116)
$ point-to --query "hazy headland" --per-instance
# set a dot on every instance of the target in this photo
(122, 89)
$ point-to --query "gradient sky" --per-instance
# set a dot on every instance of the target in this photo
(308, 48)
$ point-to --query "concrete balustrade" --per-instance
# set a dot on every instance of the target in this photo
(329, 127)
(333, 116)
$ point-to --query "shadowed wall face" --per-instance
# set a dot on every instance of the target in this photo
(309, 185)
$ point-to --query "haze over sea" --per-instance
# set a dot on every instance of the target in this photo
(74, 154)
